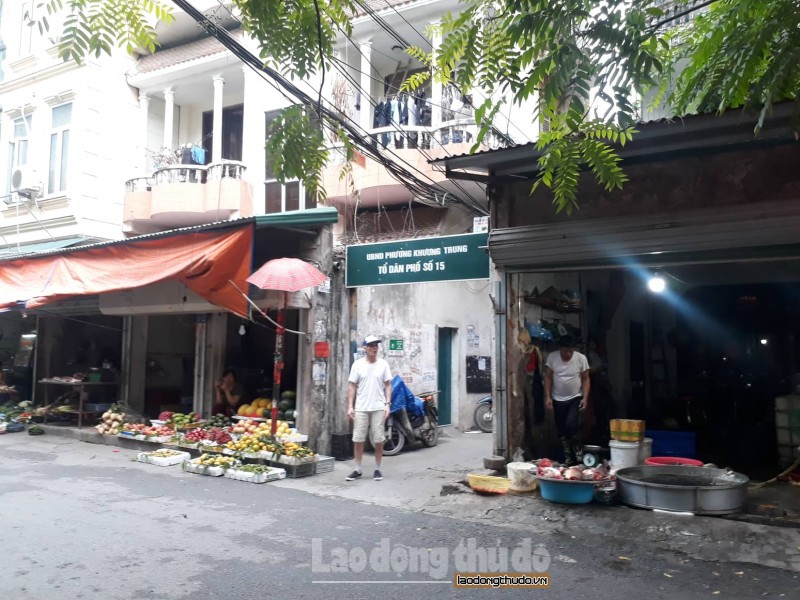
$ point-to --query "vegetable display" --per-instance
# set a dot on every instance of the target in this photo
(111, 421)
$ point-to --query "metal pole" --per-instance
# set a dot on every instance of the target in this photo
(500, 399)
(278, 365)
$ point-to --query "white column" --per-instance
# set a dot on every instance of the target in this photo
(436, 85)
(169, 117)
(216, 138)
(366, 114)
(144, 108)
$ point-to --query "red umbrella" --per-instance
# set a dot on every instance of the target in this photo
(286, 275)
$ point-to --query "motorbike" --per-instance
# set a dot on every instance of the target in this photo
(411, 418)
(484, 414)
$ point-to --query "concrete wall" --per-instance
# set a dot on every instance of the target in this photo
(413, 313)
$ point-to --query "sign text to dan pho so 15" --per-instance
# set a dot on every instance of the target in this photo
(445, 258)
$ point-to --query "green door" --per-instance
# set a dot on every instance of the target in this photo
(445, 374)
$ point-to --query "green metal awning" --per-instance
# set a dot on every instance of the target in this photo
(24, 249)
(297, 218)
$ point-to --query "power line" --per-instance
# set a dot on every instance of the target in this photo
(424, 190)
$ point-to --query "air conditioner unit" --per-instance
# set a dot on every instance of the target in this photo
(25, 181)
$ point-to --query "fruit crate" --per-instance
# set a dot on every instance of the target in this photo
(295, 471)
(163, 461)
(192, 466)
(273, 475)
(323, 464)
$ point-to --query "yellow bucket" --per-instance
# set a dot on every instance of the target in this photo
(627, 430)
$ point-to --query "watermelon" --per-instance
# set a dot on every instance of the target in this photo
(285, 405)
(289, 395)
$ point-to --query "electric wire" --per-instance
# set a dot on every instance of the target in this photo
(422, 189)
(226, 39)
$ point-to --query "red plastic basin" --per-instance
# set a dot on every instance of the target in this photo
(672, 460)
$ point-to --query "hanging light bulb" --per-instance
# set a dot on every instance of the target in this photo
(242, 330)
(657, 284)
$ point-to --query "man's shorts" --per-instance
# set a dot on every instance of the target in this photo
(371, 420)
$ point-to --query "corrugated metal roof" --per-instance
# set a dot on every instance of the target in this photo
(654, 140)
(297, 218)
(23, 249)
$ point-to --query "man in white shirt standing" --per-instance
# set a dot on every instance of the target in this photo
(566, 393)
(369, 395)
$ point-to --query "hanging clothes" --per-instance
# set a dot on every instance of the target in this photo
(198, 154)
(186, 156)
(411, 117)
(394, 120)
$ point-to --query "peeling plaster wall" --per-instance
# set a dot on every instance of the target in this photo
(413, 313)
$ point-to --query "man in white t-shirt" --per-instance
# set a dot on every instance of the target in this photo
(369, 395)
(566, 393)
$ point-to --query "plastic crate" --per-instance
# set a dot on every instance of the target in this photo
(163, 461)
(273, 475)
(295, 471)
(342, 446)
(323, 464)
(672, 443)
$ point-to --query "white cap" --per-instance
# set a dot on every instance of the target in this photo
(371, 339)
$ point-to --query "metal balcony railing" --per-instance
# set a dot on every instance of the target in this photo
(180, 174)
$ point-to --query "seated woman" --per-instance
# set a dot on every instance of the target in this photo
(228, 394)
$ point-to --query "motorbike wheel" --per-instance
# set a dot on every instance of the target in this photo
(484, 417)
(430, 437)
(394, 441)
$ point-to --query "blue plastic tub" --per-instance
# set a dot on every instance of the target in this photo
(672, 443)
(566, 492)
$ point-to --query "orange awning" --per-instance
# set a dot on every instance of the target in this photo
(204, 261)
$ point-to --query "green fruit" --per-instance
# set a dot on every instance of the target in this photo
(289, 394)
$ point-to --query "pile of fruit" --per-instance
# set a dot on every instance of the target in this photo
(296, 450)
(286, 406)
(258, 408)
(196, 435)
(148, 430)
(254, 468)
(251, 444)
(219, 420)
(216, 460)
(217, 435)
(111, 421)
(179, 420)
(261, 427)
(164, 453)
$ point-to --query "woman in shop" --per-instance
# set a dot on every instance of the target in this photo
(228, 394)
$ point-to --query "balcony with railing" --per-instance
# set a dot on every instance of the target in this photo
(369, 183)
(183, 195)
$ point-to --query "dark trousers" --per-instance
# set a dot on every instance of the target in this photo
(567, 417)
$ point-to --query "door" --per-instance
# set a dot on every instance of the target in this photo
(232, 131)
(445, 374)
(636, 349)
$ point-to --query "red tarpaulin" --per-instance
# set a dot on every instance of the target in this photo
(204, 261)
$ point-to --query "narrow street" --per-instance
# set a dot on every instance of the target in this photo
(86, 521)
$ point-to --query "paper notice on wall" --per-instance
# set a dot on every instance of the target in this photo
(319, 372)
(325, 286)
(481, 364)
(429, 377)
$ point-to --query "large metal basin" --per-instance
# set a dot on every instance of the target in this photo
(700, 490)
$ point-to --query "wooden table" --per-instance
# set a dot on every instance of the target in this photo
(81, 385)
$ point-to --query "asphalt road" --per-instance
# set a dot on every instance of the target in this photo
(83, 521)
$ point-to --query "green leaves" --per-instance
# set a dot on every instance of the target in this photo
(297, 150)
(737, 54)
(98, 26)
